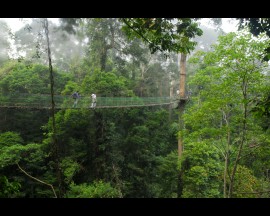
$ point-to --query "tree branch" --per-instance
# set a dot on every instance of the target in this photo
(37, 179)
(137, 32)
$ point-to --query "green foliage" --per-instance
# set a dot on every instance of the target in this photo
(30, 156)
(91, 144)
(34, 79)
(168, 172)
(227, 81)
(70, 88)
(102, 34)
(261, 110)
(147, 137)
(26, 80)
(97, 189)
(72, 128)
(11, 148)
(131, 152)
(163, 34)
(9, 139)
(218, 84)
(105, 84)
(257, 159)
(257, 26)
(8, 189)
(69, 168)
(13, 154)
(202, 170)
(10, 155)
(246, 184)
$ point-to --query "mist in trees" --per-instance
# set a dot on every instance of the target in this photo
(4, 42)
(131, 152)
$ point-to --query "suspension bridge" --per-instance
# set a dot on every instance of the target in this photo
(43, 101)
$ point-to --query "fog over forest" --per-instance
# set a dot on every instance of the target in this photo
(134, 108)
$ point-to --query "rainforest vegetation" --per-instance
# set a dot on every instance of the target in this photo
(133, 151)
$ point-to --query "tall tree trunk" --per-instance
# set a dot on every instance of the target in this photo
(160, 89)
(106, 47)
(55, 150)
(243, 139)
(171, 99)
(224, 176)
(181, 127)
(182, 86)
(226, 161)
(181, 122)
(103, 58)
(182, 103)
(226, 118)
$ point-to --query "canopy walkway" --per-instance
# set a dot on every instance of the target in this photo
(43, 101)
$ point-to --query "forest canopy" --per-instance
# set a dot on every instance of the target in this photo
(143, 139)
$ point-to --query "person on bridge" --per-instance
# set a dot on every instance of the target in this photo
(76, 97)
(94, 100)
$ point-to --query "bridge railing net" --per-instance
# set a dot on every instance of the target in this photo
(64, 101)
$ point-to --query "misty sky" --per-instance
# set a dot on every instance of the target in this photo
(15, 23)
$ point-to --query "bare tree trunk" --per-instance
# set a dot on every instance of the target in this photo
(243, 140)
(182, 75)
(103, 58)
(224, 177)
(171, 98)
(181, 122)
(54, 141)
(180, 137)
(226, 154)
(160, 89)
(182, 95)
(172, 89)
